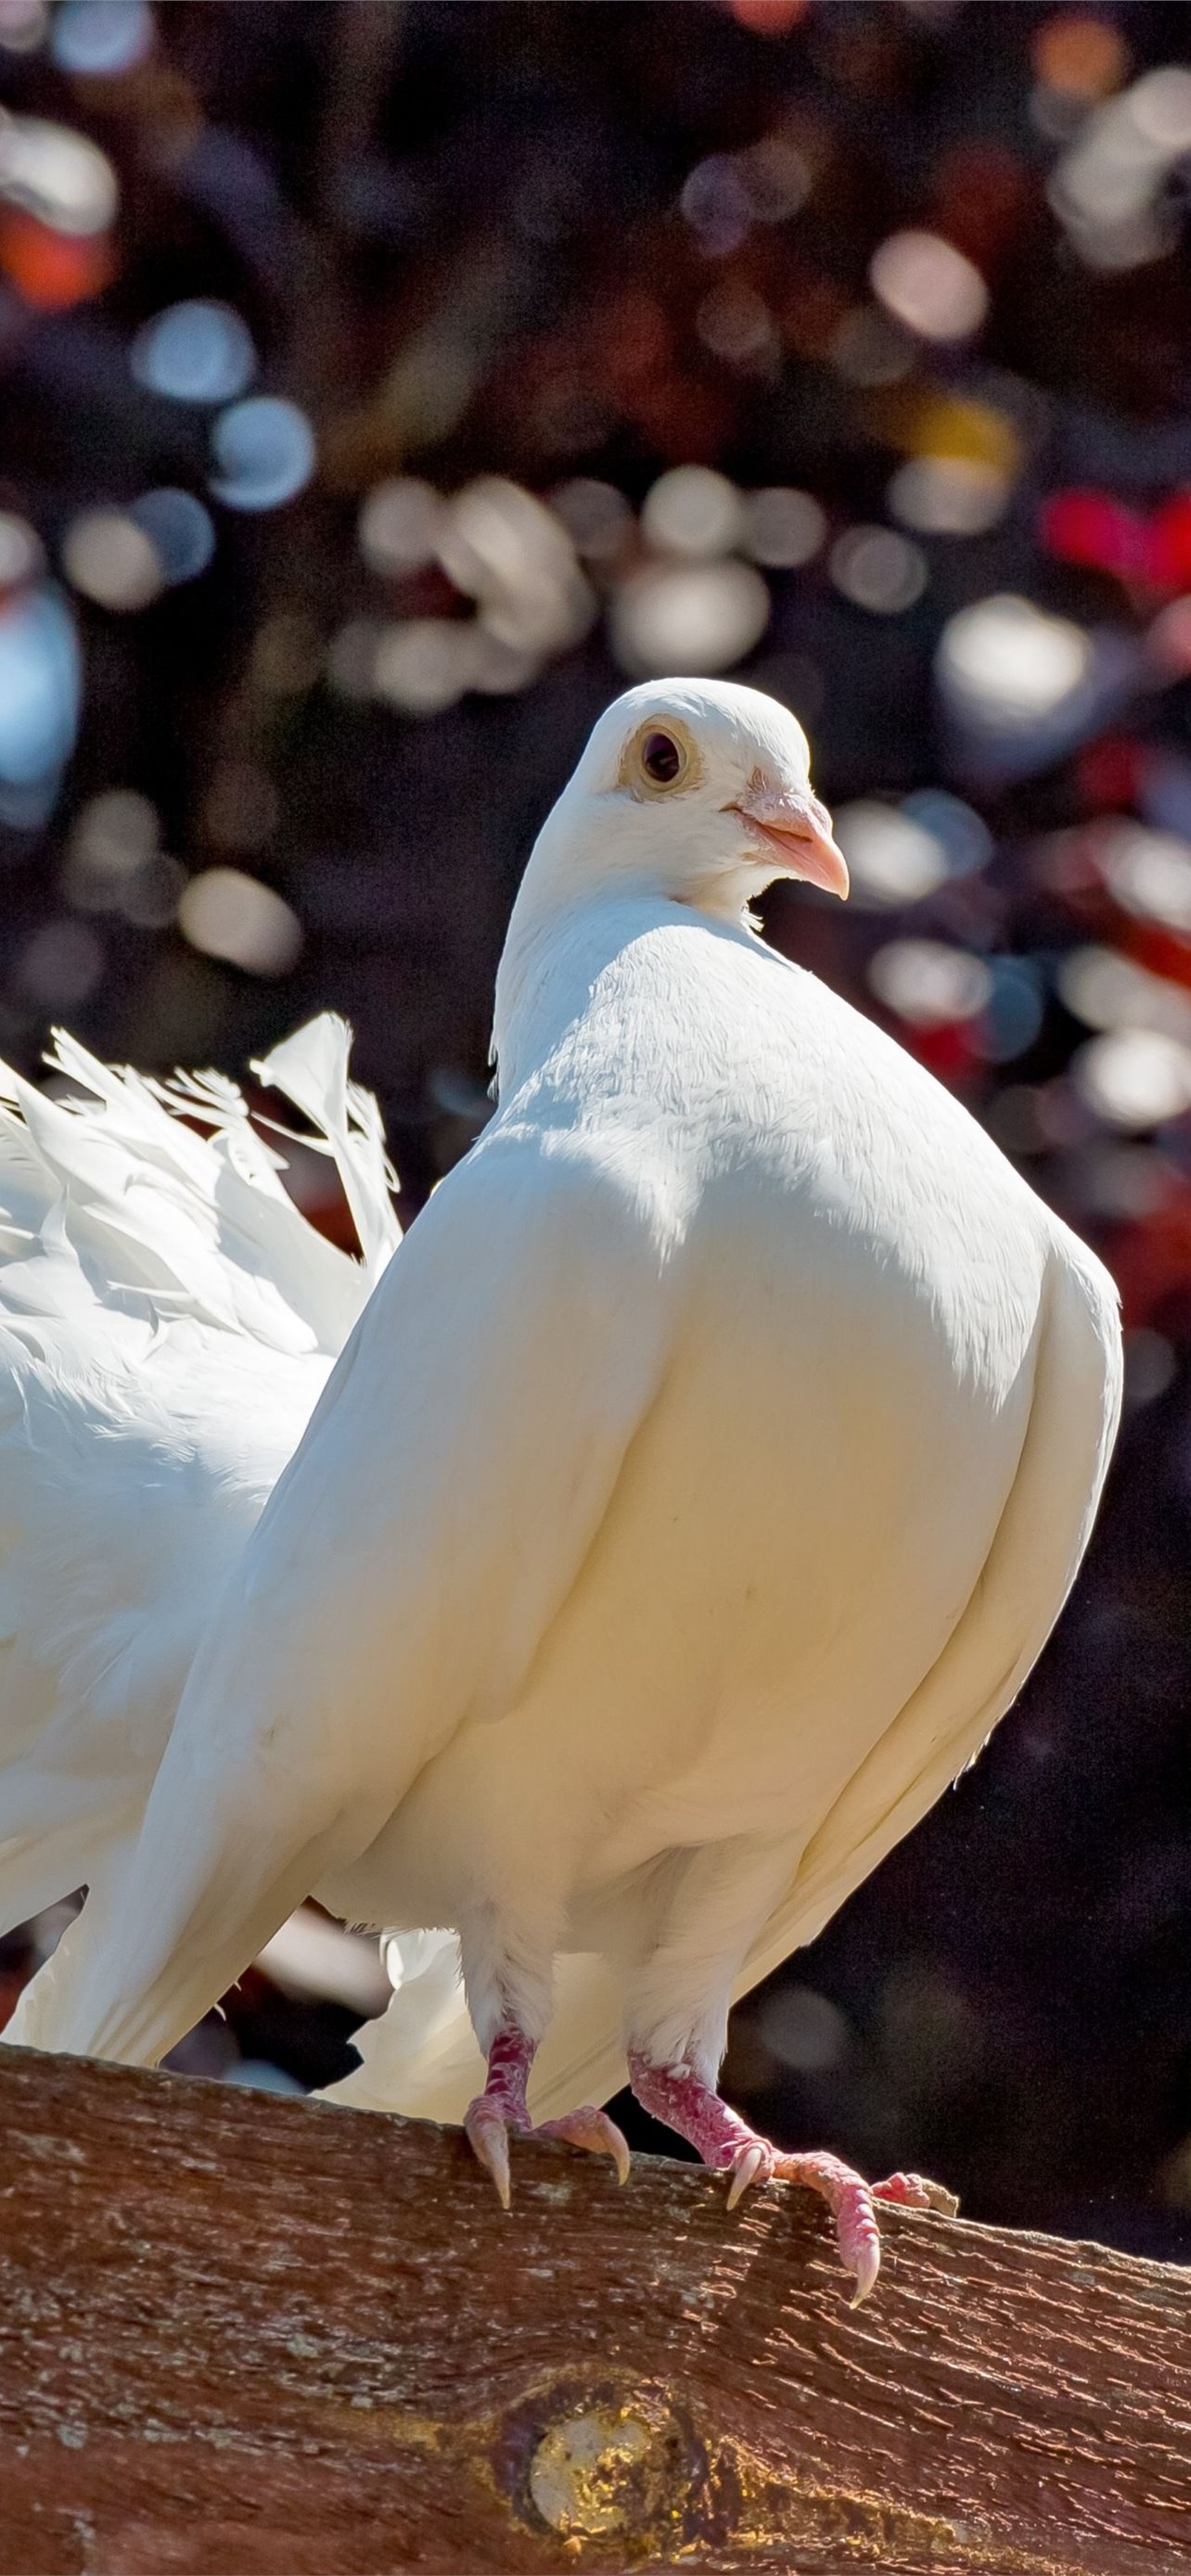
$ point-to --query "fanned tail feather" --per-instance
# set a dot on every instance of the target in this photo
(160, 1219)
(168, 1318)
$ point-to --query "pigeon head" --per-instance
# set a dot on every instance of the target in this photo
(695, 790)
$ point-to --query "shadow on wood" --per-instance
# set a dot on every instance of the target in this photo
(249, 2337)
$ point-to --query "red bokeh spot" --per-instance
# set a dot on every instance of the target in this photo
(1172, 535)
(51, 269)
(768, 17)
(1092, 528)
(1089, 527)
(1109, 773)
(948, 1050)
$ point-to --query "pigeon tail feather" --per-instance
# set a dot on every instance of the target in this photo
(168, 1319)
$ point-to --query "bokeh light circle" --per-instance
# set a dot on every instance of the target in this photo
(112, 561)
(1009, 662)
(240, 921)
(892, 858)
(879, 570)
(1134, 1078)
(264, 453)
(948, 496)
(929, 984)
(399, 526)
(40, 688)
(692, 510)
(101, 37)
(422, 664)
(197, 352)
(58, 176)
(782, 527)
(1080, 56)
(21, 555)
(696, 617)
(929, 286)
(179, 529)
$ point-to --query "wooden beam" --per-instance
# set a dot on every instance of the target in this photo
(244, 2336)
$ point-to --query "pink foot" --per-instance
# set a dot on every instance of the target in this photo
(501, 2110)
(680, 2097)
(592, 2130)
(488, 2127)
(849, 2198)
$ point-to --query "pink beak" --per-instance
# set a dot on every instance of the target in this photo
(798, 830)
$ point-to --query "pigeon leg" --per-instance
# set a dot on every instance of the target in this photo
(502, 2107)
(680, 2096)
(677, 2026)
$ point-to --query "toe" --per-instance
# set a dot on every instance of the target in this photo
(594, 2131)
(858, 2236)
(916, 2191)
(850, 2200)
(488, 2138)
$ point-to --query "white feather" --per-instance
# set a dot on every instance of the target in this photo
(167, 1320)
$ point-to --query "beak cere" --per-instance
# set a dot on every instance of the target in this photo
(797, 830)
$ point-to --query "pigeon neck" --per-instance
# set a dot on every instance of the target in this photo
(559, 938)
(553, 955)
(543, 957)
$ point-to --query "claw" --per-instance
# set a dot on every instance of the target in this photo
(488, 2138)
(866, 2264)
(593, 2130)
(751, 2164)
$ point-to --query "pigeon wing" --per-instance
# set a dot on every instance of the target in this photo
(460, 1461)
(1030, 1568)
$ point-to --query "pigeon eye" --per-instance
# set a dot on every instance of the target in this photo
(658, 760)
(661, 759)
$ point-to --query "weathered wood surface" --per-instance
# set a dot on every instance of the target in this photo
(242, 2336)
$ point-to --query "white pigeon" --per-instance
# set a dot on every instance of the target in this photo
(168, 1319)
(691, 1499)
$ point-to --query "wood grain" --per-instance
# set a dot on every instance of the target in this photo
(243, 2336)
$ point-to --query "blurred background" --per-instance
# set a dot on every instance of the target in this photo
(383, 387)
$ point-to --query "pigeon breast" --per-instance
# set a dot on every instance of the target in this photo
(852, 1282)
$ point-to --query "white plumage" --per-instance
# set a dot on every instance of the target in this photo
(167, 1321)
(693, 1495)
